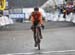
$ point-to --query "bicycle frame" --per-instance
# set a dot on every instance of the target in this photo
(37, 32)
(37, 38)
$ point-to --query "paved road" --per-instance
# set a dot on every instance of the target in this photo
(27, 25)
(56, 41)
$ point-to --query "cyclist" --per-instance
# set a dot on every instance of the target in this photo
(36, 18)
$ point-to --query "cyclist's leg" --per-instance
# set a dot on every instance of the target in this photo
(34, 35)
(34, 30)
(40, 32)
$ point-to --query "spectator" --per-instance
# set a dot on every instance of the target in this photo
(60, 9)
(64, 13)
(74, 9)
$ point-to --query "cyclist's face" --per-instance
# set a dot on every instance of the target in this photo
(36, 11)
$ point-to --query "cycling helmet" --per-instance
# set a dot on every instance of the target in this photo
(36, 9)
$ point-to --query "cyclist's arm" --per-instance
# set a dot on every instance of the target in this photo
(32, 19)
(41, 21)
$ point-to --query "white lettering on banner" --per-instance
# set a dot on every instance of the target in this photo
(17, 15)
(5, 21)
(54, 17)
(5, 12)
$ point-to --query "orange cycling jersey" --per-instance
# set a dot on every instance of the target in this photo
(36, 16)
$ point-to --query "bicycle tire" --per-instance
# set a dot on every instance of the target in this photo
(38, 41)
(38, 46)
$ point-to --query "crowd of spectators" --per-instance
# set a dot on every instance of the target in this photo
(66, 9)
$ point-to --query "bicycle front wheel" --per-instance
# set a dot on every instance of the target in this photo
(38, 46)
(38, 41)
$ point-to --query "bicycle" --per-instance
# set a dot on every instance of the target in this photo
(38, 40)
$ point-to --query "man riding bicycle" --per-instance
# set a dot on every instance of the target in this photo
(36, 18)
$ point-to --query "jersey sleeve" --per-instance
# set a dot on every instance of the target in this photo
(32, 19)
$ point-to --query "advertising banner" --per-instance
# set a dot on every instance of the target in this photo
(17, 16)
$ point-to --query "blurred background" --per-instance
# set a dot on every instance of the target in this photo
(52, 10)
